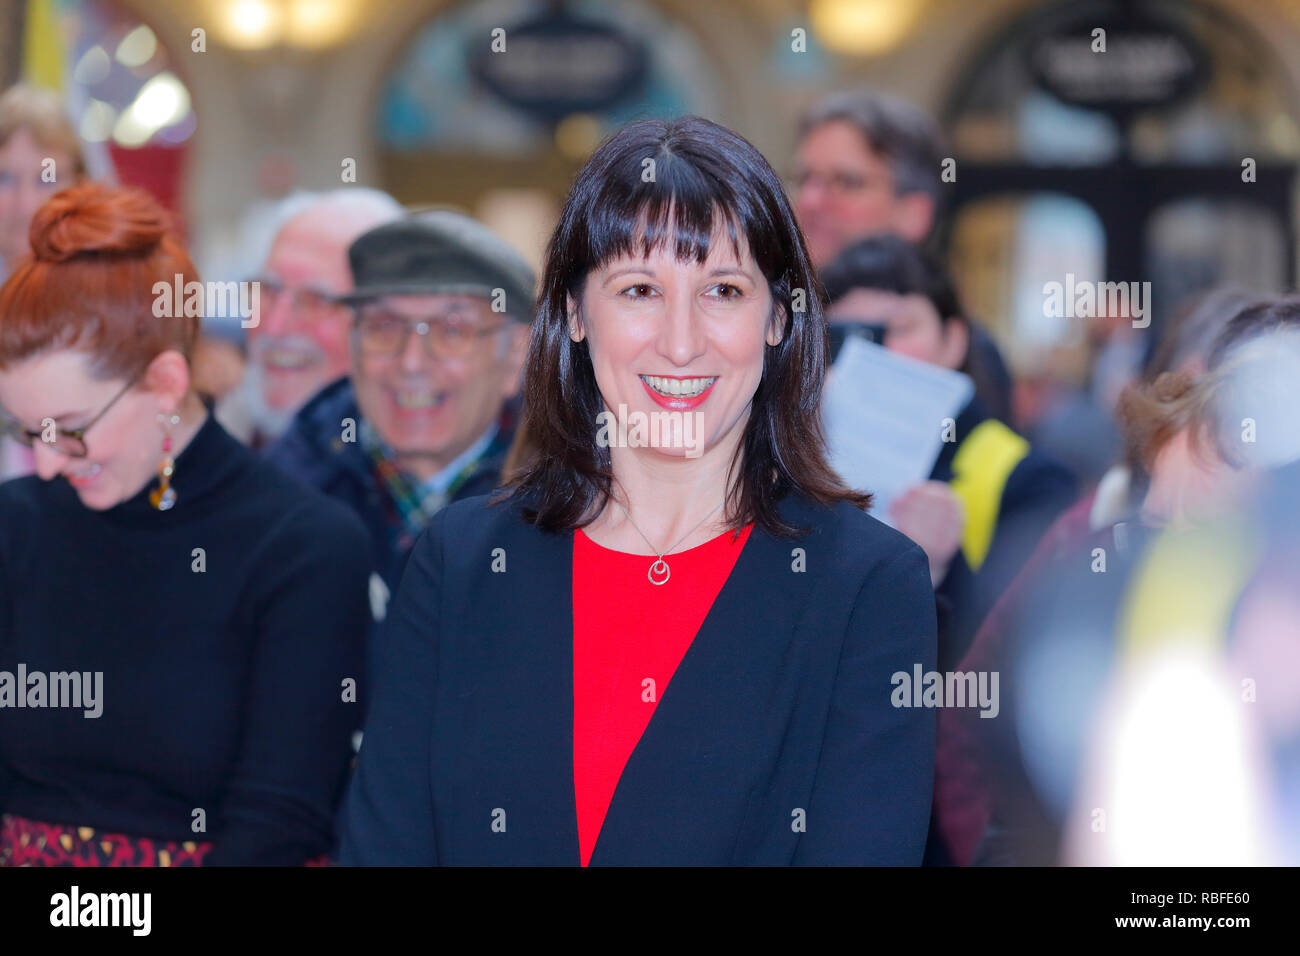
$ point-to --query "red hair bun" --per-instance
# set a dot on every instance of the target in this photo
(93, 218)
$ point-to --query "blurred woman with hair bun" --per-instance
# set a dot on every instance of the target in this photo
(177, 619)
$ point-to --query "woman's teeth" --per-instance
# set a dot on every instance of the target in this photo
(85, 474)
(678, 387)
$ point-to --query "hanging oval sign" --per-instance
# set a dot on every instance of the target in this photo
(1118, 61)
(559, 64)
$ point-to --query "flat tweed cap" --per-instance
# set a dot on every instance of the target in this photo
(440, 253)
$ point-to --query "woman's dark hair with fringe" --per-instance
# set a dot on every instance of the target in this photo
(705, 178)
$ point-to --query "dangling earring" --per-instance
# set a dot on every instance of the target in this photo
(164, 496)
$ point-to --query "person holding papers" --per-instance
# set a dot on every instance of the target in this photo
(990, 496)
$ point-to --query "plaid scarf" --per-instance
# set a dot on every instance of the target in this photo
(415, 507)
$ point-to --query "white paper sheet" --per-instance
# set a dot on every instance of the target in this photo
(884, 415)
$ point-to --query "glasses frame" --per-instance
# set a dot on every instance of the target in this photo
(836, 184)
(30, 438)
(421, 327)
(331, 302)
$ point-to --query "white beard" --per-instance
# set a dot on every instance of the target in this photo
(244, 412)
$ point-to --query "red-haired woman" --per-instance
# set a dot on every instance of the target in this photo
(178, 622)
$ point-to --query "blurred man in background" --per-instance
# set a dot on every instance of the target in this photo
(866, 164)
(869, 164)
(440, 319)
(299, 343)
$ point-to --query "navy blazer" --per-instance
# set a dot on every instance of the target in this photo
(774, 743)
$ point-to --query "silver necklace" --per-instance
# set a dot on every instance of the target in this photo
(660, 566)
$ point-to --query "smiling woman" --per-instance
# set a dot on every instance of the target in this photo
(223, 605)
(646, 652)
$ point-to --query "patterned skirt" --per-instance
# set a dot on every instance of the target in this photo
(25, 842)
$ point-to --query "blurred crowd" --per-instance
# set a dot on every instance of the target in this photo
(1121, 552)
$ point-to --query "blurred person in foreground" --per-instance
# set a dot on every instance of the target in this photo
(440, 313)
(658, 651)
(962, 799)
(1185, 345)
(1196, 739)
(990, 495)
(39, 155)
(176, 617)
(869, 164)
(1133, 662)
(299, 340)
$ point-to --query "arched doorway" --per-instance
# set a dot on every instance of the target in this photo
(454, 121)
(1169, 124)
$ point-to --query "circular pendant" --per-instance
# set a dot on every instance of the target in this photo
(660, 567)
(162, 498)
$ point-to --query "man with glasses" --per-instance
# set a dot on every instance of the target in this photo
(866, 164)
(298, 342)
(869, 164)
(439, 329)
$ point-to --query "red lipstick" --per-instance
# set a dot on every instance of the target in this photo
(679, 403)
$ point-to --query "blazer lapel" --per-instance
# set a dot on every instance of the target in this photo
(682, 773)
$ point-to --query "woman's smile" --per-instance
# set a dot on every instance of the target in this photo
(678, 393)
(83, 476)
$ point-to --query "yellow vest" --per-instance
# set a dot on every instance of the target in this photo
(980, 469)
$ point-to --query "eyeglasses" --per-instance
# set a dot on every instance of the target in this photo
(66, 441)
(305, 304)
(382, 332)
(836, 183)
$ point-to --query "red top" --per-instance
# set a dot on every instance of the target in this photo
(628, 637)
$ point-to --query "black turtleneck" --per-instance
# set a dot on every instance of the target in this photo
(222, 688)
